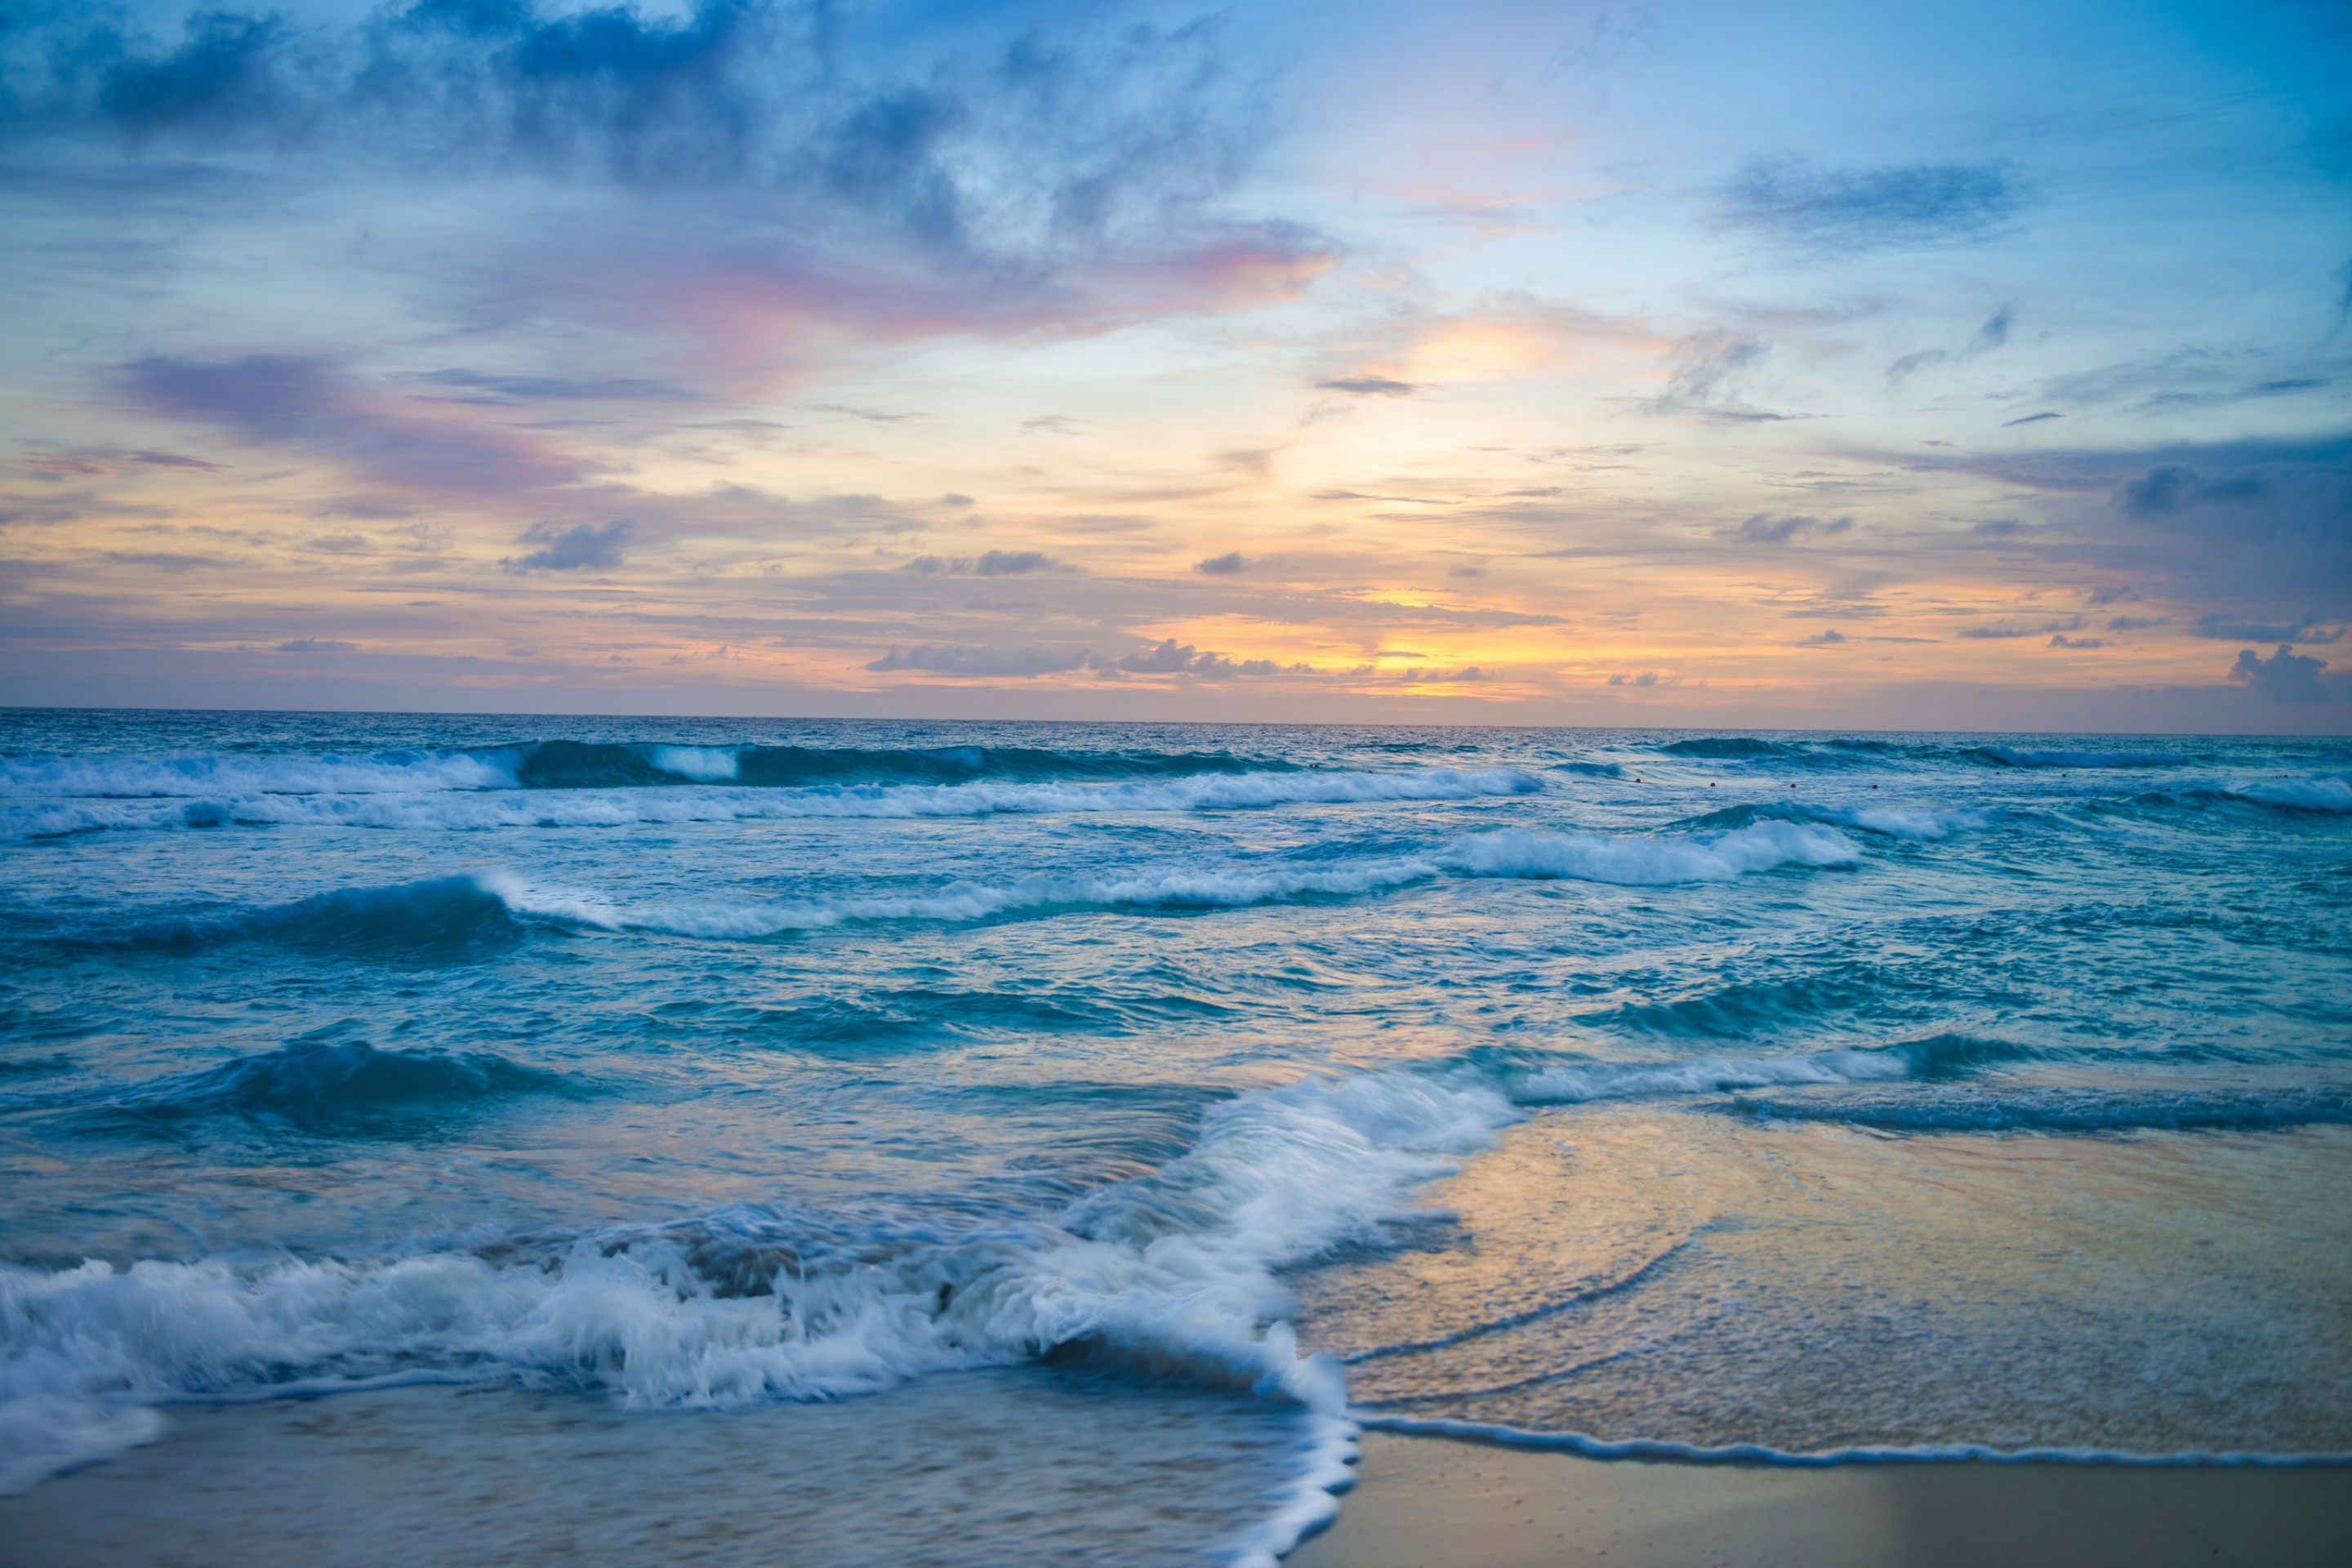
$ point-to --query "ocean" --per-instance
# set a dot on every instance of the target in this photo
(1024, 1143)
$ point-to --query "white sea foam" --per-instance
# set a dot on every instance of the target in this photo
(1926, 826)
(705, 764)
(114, 778)
(1641, 861)
(1174, 1271)
(686, 803)
(1575, 1083)
(1514, 853)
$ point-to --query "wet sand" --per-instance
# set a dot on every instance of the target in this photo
(1422, 1502)
(989, 1470)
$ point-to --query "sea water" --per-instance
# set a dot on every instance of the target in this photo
(1167, 1103)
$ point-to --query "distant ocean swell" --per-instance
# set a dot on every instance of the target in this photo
(480, 914)
(574, 765)
(608, 807)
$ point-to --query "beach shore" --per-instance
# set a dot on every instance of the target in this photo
(481, 1475)
(1424, 1503)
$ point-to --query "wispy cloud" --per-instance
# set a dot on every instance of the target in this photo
(1864, 209)
(310, 404)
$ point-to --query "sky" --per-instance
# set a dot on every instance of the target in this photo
(1813, 366)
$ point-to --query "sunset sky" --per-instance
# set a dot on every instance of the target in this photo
(1816, 364)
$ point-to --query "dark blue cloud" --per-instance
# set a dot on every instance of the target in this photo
(961, 141)
(1762, 528)
(1369, 387)
(578, 548)
(2285, 677)
(1225, 565)
(1865, 209)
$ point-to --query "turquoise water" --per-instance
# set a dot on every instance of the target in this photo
(1810, 1095)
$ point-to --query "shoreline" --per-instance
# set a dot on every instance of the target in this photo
(1431, 1500)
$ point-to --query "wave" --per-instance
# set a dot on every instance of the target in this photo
(579, 765)
(2011, 757)
(574, 765)
(441, 920)
(1728, 748)
(1174, 1273)
(1645, 861)
(321, 1083)
(1923, 825)
(478, 915)
(1581, 1080)
(2327, 792)
(2070, 1111)
(617, 807)
(1760, 1454)
(110, 778)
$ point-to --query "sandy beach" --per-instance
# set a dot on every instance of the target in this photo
(1424, 1503)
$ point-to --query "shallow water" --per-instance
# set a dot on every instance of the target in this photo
(1808, 1093)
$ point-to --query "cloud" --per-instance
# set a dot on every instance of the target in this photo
(2002, 631)
(2137, 623)
(1864, 209)
(554, 389)
(575, 549)
(841, 136)
(1827, 637)
(1993, 335)
(1225, 565)
(2173, 486)
(1168, 658)
(993, 563)
(2060, 639)
(2029, 419)
(1766, 529)
(1702, 360)
(2224, 628)
(317, 645)
(2285, 677)
(1370, 386)
(2257, 531)
(953, 658)
(309, 403)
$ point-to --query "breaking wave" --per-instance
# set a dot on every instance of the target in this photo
(326, 1084)
(441, 920)
(579, 765)
(1173, 1272)
(1645, 861)
(2328, 793)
